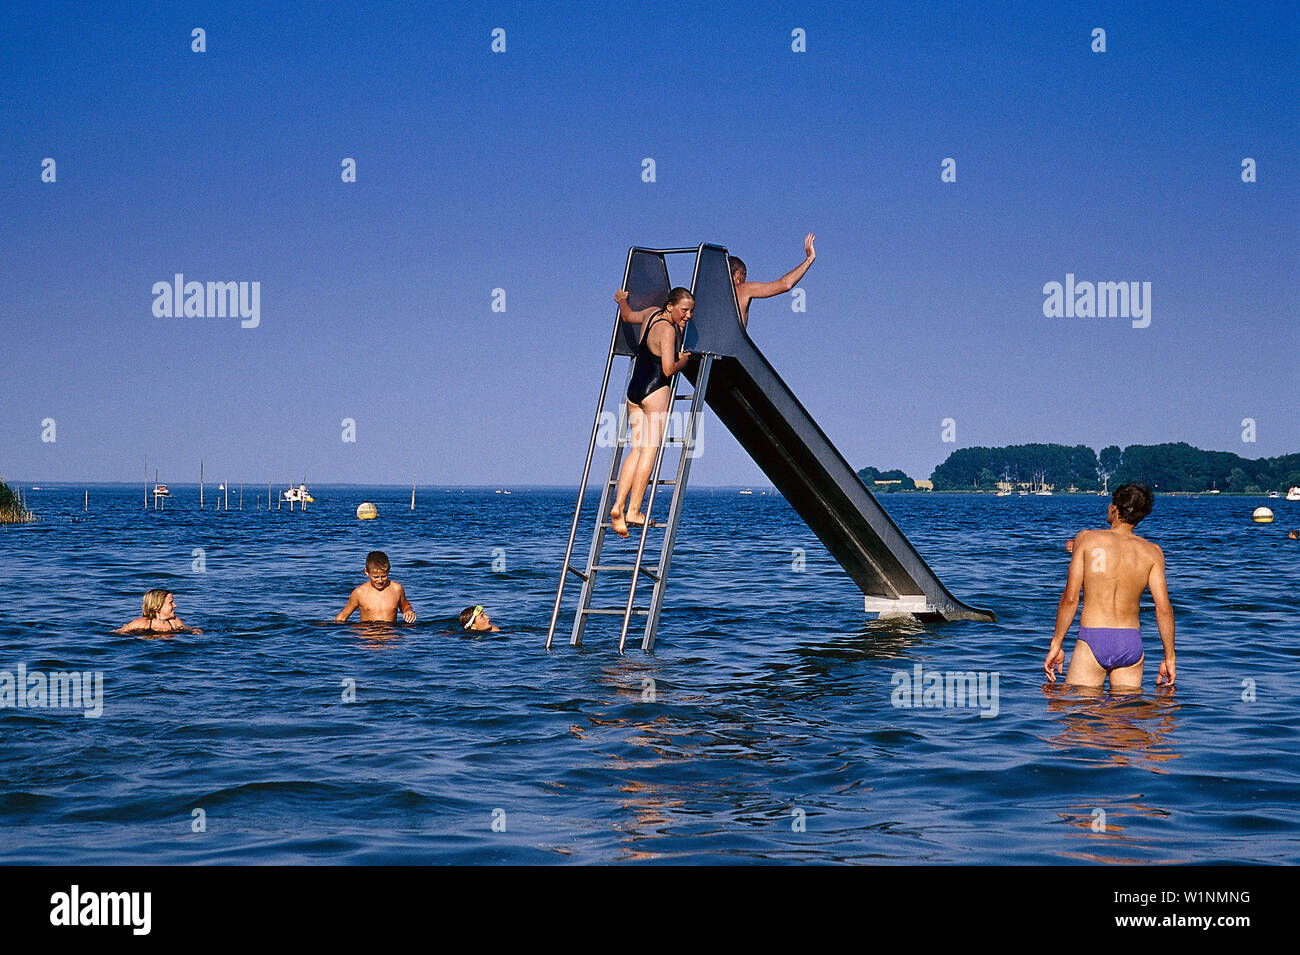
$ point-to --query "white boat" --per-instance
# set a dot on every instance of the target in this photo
(298, 495)
(746, 491)
(1274, 494)
(1293, 494)
(160, 490)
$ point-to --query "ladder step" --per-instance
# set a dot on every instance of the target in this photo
(645, 570)
(683, 397)
(657, 525)
(580, 574)
(614, 483)
(619, 613)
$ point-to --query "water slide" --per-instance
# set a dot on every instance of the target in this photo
(749, 397)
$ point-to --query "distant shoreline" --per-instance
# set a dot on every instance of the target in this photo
(758, 491)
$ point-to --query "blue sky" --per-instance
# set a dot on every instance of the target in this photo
(522, 171)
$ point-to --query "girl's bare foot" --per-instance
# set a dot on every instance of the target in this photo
(635, 519)
(616, 521)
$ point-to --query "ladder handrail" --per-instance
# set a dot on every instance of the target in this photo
(598, 532)
(586, 468)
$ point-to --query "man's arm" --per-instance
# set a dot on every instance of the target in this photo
(1164, 617)
(408, 612)
(1065, 611)
(346, 612)
(785, 282)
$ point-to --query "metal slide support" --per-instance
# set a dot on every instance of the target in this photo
(689, 437)
(649, 511)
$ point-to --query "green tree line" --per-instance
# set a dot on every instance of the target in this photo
(1163, 467)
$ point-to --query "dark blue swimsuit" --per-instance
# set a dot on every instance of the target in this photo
(648, 368)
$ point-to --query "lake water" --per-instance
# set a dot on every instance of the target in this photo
(762, 727)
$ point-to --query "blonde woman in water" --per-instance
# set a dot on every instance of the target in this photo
(158, 616)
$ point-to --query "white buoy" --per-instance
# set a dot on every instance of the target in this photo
(367, 512)
(1263, 515)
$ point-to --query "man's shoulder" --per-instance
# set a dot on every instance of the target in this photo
(1150, 547)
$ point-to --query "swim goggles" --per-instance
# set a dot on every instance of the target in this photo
(478, 609)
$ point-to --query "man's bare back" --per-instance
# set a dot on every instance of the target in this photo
(1111, 569)
(1117, 569)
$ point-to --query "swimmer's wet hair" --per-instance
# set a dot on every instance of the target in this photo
(152, 603)
(737, 266)
(466, 616)
(677, 294)
(1133, 501)
(377, 560)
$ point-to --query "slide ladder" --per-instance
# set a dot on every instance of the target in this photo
(646, 282)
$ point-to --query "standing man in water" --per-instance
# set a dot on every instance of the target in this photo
(1113, 568)
(748, 291)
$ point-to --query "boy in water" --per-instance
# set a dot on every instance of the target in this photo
(476, 618)
(158, 616)
(1113, 568)
(379, 598)
(746, 292)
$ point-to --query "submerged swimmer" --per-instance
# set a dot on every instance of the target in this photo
(746, 292)
(1113, 568)
(476, 618)
(658, 358)
(158, 616)
(379, 598)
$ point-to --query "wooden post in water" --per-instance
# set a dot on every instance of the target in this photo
(146, 476)
(200, 484)
(413, 489)
(226, 487)
(86, 505)
(241, 495)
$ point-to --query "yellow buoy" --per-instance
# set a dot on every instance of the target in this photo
(1263, 515)
(367, 512)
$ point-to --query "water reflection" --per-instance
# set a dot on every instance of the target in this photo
(1124, 729)
(1105, 823)
(1127, 729)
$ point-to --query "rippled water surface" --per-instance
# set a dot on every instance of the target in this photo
(760, 729)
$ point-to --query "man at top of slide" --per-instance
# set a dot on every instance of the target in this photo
(748, 291)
